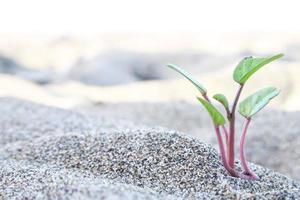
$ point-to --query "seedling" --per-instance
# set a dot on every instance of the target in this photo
(247, 108)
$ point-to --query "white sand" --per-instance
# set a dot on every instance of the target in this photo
(52, 153)
(272, 133)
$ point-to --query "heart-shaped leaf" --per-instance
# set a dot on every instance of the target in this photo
(222, 99)
(216, 116)
(248, 66)
(255, 102)
(189, 77)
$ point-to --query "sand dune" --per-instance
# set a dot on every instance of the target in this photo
(70, 155)
(272, 132)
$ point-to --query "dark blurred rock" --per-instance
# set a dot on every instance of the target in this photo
(103, 70)
(120, 67)
(9, 66)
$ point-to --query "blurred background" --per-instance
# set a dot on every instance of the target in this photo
(77, 53)
(107, 58)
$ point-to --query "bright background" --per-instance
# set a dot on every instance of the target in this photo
(65, 52)
(141, 16)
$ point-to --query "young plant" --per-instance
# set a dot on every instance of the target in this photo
(247, 108)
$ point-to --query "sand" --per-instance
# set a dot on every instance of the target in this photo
(23, 179)
(59, 154)
(272, 132)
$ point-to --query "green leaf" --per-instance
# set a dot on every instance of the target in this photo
(222, 99)
(255, 102)
(248, 66)
(189, 77)
(216, 116)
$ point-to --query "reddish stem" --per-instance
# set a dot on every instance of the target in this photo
(232, 128)
(222, 149)
(247, 170)
(230, 141)
(226, 134)
(223, 154)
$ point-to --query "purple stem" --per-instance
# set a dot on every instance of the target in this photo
(226, 134)
(232, 129)
(231, 118)
(223, 154)
(247, 170)
(221, 147)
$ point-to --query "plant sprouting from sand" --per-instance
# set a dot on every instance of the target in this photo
(225, 126)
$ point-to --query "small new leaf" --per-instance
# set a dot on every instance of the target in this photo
(199, 86)
(216, 116)
(248, 66)
(255, 102)
(222, 99)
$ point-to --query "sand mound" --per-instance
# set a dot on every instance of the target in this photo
(272, 132)
(166, 162)
(113, 163)
(22, 120)
(28, 180)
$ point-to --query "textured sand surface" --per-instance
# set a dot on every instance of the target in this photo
(272, 140)
(58, 154)
(27, 179)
